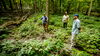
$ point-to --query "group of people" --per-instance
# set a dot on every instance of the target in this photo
(75, 27)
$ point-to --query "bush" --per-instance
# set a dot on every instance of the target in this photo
(76, 52)
(89, 41)
(32, 47)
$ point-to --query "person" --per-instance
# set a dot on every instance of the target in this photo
(45, 22)
(75, 28)
(65, 20)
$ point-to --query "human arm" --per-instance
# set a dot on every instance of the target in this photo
(68, 17)
(78, 26)
(41, 18)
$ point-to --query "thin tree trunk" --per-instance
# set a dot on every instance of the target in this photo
(21, 5)
(15, 4)
(47, 8)
(68, 7)
(4, 5)
(47, 12)
(78, 7)
(55, 7)
(10, 1)
(60, 6)
(0, 5)
(52, 6)
(39, 5)
(89, 12)
(35, 6)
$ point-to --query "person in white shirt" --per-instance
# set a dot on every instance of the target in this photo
(75, 28)
(65, 20)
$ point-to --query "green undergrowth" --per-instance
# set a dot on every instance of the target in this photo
(25, 42)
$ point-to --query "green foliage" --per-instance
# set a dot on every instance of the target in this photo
(3, 36)
(4, 19)
(32, 47)
(56, 20)
(61, 34)
(28, 28)
(89, 41)
(32, 28)
(76, 52)
(4, 32)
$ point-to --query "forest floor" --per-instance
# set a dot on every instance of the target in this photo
(31, 32)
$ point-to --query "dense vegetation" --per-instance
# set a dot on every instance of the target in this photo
(22, 34)
(30, 39)
(89, 7)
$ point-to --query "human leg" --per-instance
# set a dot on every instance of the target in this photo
(72, 41)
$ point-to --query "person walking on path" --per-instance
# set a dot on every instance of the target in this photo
(65, 20)
(75, 29)
(45, 22)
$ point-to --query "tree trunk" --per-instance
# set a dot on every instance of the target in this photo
(78, 7)
(68, 7)
(15, 4)
(60, 6)
(35, 6)
(47, 8)
(10, 1)
(0, 6)
(40, 9)
(4, 5)
(21, 5)
(89, 12)
(52, 6)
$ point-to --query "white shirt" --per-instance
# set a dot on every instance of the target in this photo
(65, 18)
(76, 25)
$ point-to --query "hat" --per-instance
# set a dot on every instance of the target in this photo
(76, 15)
